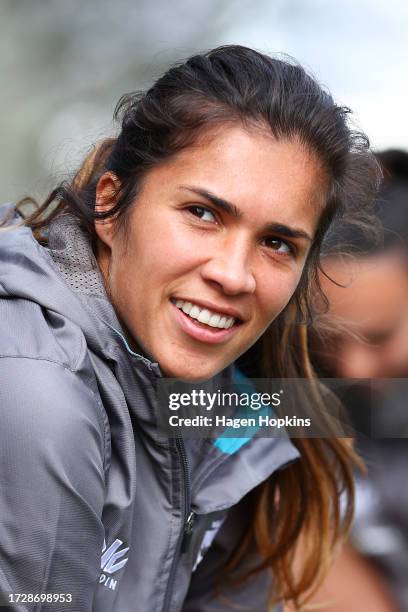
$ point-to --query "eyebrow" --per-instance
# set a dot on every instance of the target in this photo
(228, 207)
(216, 200)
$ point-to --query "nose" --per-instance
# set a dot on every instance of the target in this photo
(230, 268)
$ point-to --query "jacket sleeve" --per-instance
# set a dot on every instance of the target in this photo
(51, 483)
(208, 591)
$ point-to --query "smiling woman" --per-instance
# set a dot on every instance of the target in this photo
(192, 236)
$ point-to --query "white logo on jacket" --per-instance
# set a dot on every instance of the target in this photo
(110, 563)
(208, 540)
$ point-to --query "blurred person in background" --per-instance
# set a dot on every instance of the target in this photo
(365, 336)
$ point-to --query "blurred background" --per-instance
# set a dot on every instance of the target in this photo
(63, 66)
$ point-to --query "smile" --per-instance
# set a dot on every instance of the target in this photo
(203, 315)
(191, 318)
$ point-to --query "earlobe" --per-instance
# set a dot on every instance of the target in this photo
(106, 197)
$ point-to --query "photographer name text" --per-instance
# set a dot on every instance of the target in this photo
(237, 422)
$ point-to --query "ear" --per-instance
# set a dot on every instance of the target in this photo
(106, 198)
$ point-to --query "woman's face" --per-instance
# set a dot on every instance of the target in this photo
(214, 247)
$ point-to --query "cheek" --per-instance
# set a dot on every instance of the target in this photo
(275, 294)
(148, 269)
(164, 251)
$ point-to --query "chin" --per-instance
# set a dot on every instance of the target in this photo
(190, 371)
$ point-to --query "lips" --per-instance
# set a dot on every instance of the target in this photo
(211, 334)
(203, 315)
(215, 307)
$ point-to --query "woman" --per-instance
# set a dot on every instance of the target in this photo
(182, 242)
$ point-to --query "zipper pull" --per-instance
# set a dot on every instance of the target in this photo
(188, 530)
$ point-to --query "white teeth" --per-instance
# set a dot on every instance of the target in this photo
(215, 319)
(203, 315)
(194, 312)
(187, 306)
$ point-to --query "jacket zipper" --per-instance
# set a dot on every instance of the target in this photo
(188, 521)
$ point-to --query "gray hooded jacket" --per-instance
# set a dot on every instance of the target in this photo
(94, 503)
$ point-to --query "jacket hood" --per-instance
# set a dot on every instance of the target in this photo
(63, 278)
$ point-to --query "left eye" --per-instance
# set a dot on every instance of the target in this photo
(278, 245)
(203, 213)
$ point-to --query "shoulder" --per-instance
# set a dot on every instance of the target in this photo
(37, 308)
(32, 331)
(47, 408)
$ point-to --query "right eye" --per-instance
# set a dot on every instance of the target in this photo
(202, 213)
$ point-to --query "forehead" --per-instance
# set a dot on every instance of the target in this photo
(266, 178)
